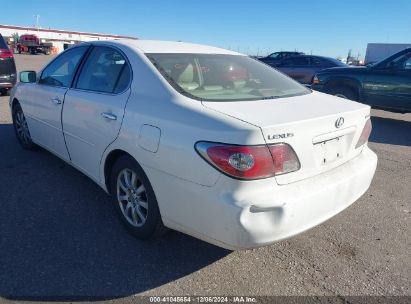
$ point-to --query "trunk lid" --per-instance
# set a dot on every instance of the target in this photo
(308, 124)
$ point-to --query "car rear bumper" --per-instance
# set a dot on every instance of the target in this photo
(7, 81)
(259, 213)
(6, 85)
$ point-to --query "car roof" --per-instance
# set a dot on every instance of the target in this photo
(158, 46)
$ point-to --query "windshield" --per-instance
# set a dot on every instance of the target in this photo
(212, 77)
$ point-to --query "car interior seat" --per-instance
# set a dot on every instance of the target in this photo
(186, 79)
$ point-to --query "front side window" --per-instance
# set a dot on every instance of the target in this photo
(105, 70)
(61, 71)
(217, 77)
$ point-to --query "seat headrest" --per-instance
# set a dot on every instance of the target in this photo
(187, 75)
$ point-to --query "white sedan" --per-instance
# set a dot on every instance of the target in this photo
(199, 139)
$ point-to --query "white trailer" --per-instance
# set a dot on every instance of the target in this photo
(378, 51)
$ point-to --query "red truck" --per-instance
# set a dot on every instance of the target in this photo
(31, 44)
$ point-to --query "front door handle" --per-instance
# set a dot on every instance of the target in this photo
(56, 100)
(110, 116)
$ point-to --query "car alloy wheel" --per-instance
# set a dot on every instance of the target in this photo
(22, 127)
(137, 203)
(132, 197)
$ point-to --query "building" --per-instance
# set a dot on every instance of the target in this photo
(60, 39)
(378, 51)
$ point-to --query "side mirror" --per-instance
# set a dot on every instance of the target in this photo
(28, 76)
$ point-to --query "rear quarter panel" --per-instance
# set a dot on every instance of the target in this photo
(182, 122)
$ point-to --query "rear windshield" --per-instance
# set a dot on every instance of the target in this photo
(336, 62)
(213, 77)
(3, 45)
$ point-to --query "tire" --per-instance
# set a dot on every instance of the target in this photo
(135, 199)
(4, 92)
(344, 92)
(21, 129)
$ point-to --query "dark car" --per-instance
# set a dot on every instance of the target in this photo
(385, 85)
(303, 68)
(7, 68)
(274, 58)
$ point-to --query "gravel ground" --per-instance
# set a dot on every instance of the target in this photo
(60, 238)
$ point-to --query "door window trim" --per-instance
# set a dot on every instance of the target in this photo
(74, 73)
(86, 57)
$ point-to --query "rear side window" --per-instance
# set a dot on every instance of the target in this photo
(301, 61)
(60, 72)
(3, 44)
(316, 61)
(295, 61)
(105, 70)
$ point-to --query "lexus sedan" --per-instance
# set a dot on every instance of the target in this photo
(198, 139)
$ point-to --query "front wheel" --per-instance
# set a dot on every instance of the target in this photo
(344, 92)
(135, 199)
(21, 128)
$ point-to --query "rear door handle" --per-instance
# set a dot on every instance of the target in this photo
(56, 100)
(110, 116)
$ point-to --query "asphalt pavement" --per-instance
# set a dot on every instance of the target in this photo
(60, 238)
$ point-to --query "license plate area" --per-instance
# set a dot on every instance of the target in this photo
(330, 150)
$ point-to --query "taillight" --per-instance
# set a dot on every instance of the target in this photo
(285, 159)
(6, 54)
(365, 134)
(249, 162)
(316, 80)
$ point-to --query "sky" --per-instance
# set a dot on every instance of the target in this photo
(256, 27)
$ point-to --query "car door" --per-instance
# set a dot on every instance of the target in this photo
(94, 107)
(296, 67)
(389, 85)
(44, 100)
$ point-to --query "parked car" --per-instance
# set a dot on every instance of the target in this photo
(303, 68)
(199, 139)
(385, 85)
(32, 44)
(274, 58)
(7, 68)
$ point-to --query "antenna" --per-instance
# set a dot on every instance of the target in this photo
(37, 17)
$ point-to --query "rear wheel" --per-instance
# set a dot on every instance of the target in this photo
(4, 92)
(21, 129)
(344, 92)
(135, 199)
